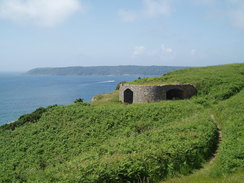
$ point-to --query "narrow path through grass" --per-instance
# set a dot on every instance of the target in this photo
(201, 175)
(219, 140)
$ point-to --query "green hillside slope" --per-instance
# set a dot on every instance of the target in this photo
(229, 163)
(109, 142)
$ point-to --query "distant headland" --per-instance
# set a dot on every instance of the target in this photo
(104, 70)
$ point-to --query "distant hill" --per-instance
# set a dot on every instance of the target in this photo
(104, 70)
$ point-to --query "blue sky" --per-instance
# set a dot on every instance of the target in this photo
(57, 33)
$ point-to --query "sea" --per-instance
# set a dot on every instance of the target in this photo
(21, 94)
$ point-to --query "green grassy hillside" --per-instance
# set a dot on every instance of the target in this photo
(106, 141)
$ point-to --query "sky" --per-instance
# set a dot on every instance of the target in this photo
(60, 33)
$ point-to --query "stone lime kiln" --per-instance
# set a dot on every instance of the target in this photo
(130, 93)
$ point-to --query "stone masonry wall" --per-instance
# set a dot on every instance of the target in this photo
(154, 93)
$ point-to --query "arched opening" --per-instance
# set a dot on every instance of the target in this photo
(174, 94)
(128, 96)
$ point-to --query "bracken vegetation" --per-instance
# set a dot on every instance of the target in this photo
(106, 141)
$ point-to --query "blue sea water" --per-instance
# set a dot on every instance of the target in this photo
(21, 94)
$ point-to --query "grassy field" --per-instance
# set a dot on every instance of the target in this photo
(228, 165)
(105, 141)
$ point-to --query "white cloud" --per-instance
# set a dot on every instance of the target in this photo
(139, 50)
(41, 12)
(237, 14)
(127, 16)
(150, 9)
(163, 52)
(230, 10)
(166, 53)
(204, 2)
(154, 8)
(238, 18)
(234, 1)
(166, 49)
(227, 10)
(193, 52)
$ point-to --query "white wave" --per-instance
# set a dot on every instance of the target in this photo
(108, 81)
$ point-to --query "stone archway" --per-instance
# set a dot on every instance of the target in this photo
(128, 96)
(174, 94)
